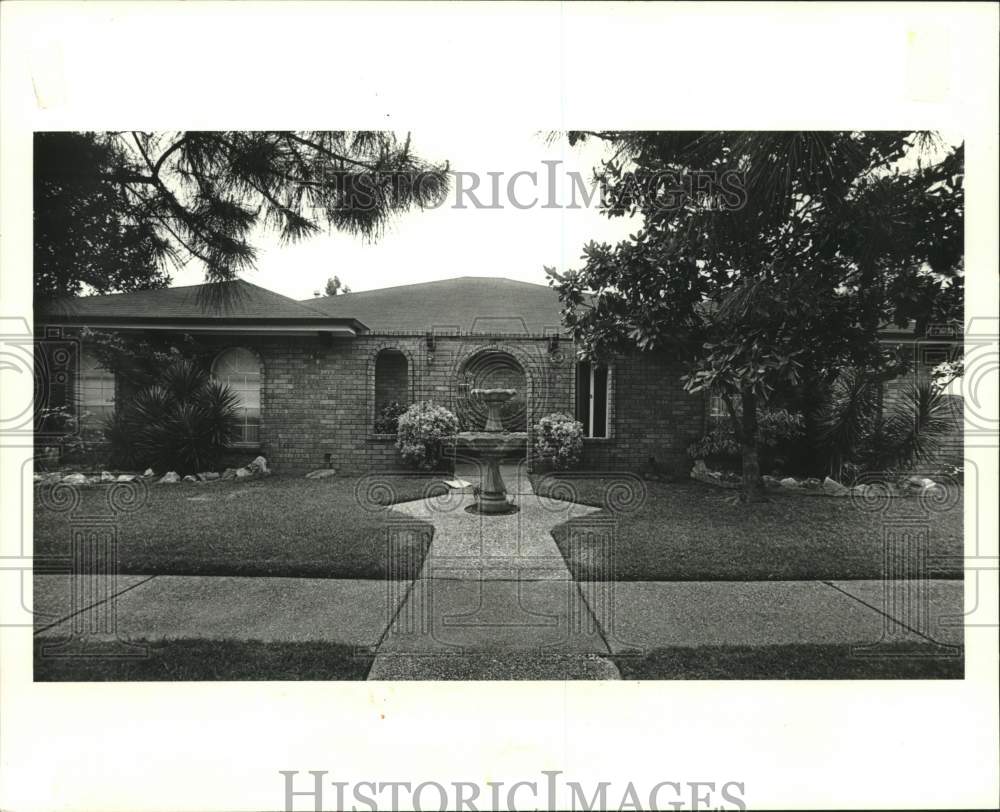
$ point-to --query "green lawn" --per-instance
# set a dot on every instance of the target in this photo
(209, 660)
(792, 662)
(692, 532)
(280, 526)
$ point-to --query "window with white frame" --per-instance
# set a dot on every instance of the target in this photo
(593, 398)
(97, 388)
(239, 369)
(717, 407)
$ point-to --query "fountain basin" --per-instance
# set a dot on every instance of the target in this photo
(494, 399)
(490, 442)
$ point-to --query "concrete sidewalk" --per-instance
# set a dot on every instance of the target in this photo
(434, 627)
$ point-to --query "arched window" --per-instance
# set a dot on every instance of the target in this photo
(97, 388)
(392, 389)
(239, 368)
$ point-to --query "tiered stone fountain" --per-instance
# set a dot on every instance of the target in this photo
(489, 445)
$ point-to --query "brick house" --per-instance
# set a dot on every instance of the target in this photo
(314, 376)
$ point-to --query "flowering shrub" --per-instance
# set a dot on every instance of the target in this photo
(420, 432)
(388, 417)
(559, 440)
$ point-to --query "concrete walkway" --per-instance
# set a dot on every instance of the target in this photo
(493, 585)
(495, 600)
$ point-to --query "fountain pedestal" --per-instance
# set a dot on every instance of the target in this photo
(490, 445)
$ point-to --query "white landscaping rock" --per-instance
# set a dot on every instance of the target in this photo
(834, 488)
(149, 472)
(126, 478)
(322, 473)
(243, 473)
(790, 482)
(107, 476)
(75, 479)
(169, 478)
(190, 478)
(229, 473)
(208, 476)
(259, 466)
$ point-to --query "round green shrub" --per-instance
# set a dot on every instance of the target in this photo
(559, 440)
(420, 433)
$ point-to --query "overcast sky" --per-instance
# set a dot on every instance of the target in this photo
(448, 242)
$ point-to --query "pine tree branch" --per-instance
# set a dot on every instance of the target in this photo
(329, 153)
(167, 153)
(159, 218)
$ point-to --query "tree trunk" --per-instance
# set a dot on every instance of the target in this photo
(753, 490)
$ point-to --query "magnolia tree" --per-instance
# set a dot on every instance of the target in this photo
(769, 261)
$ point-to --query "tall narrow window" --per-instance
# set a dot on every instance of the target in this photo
(97, 388)
(592, 398)
(392, 387)
(239, 369)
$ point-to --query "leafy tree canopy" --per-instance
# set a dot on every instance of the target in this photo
(335, 287)
(113, 211)
(766, 256)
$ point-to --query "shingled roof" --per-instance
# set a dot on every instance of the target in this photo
(468, 304)
(237, 299)
(463, 306)
(236, 305)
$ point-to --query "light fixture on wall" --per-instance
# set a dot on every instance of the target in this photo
(554, 343)
(431, 342)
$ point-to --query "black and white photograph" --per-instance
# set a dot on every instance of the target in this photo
(498, 406)
(725, 444)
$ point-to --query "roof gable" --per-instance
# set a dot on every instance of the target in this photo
(468, 304)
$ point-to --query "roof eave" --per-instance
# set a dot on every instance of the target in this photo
(217, 325)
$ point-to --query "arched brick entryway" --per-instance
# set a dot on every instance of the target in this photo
(491, 368)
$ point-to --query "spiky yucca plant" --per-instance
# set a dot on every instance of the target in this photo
(858, 435)
(916, 426)
(181, 423)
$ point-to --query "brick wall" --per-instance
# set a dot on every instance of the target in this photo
(652, 419)
(318, 399)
